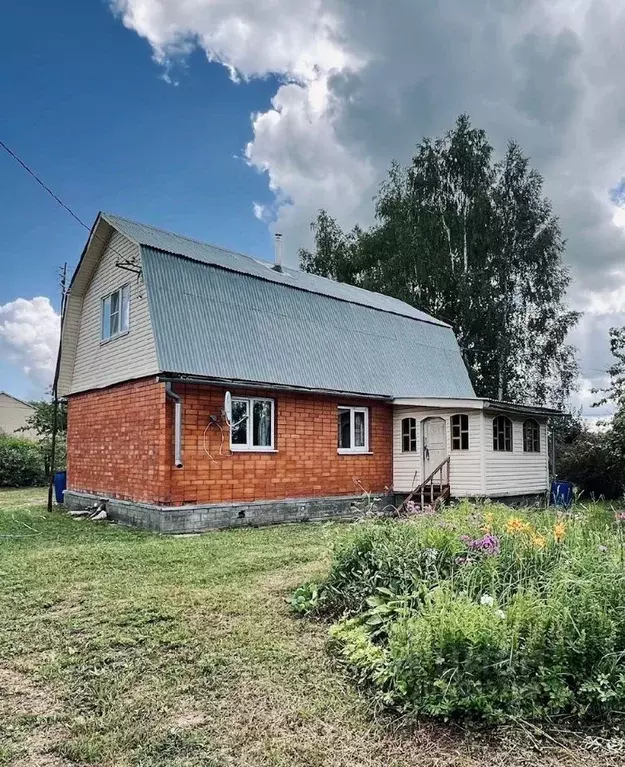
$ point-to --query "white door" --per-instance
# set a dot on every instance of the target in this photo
(434, 444)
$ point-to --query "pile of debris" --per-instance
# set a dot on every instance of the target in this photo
(96, 512)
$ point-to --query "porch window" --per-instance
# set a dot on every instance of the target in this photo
(409, 435)
(115, 317)
(353, 429)
(460, 431)
(531, 436)
(502, 434)
(252, 424)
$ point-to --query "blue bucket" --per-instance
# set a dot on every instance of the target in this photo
(561, 493)
(60, 483)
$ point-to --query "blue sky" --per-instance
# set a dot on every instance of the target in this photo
(85, 106)
(329, 93)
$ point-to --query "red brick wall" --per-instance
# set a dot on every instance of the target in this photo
(306, 462)
(116, 442)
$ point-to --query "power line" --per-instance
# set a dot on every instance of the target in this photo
(32, 173)
(58, 200)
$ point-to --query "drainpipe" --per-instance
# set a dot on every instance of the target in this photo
(177, 424)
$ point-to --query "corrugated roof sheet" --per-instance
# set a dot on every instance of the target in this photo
(219, 323)
(227, 259)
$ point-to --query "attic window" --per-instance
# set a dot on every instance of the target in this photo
(115, 313)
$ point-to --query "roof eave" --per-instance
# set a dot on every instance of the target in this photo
(242, 384)
(477, 403)
(510, 407)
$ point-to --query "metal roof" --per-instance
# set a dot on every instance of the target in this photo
(225, 323)
(159, 239)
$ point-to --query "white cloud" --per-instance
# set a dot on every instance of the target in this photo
(260, 211)
(618, 219)
(29, 337)
(362, 81)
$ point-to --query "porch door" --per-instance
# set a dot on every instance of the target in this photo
(434, 444)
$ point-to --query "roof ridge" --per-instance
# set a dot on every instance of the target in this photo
(17, 399)
(367, 297)
(190, 239)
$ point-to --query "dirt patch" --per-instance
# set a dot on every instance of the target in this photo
(31, 710)
(189, 720)
(19, 695)
(35, 750)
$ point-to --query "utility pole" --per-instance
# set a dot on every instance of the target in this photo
(55, 396)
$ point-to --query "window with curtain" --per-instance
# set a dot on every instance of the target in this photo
(460, 431)
(531, 436)
(502, 434)
(409, 435)
(353, 429)
(252, 424)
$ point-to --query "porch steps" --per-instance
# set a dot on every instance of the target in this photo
(435, 489)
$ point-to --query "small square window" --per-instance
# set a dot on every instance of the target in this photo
(353, 429)
(252, 424)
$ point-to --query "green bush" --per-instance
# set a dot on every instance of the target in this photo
(482, 612)
(591, 463)
(21, 463)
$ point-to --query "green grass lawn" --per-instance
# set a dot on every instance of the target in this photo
(119, 647)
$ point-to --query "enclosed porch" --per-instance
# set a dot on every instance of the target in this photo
(469, 448)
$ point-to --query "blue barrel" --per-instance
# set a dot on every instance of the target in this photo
(60, 483)
(561, 493)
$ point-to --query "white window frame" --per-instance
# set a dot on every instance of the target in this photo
(248, 447)
(535, 439)
(412, 434)
(497, 432)
(361, 449)
(122, 315)
(460, 431)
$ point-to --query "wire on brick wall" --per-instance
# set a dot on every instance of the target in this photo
(210, 423)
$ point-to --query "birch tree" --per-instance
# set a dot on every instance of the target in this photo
(473, 242)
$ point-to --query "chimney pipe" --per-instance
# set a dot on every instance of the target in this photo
(278, 258)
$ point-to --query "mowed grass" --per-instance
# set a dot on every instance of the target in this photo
(119, 647)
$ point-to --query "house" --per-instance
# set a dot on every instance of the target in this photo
(206, 389)
(14, 414)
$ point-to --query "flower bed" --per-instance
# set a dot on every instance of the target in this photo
(482, 612)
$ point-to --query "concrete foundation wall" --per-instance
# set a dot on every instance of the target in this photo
(201, 518)
(519, 500)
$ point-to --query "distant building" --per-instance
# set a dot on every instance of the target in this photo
(13, 416)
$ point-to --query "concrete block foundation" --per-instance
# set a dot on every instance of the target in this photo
(202, 518)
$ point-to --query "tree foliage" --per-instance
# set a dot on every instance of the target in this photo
(41, 421)
(614, 394)
(20, 462)
(473, 242)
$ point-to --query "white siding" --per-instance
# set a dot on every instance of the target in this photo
(465, 471)
(13, 416)
(515, 473)
(71, 328)
(132, 355)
